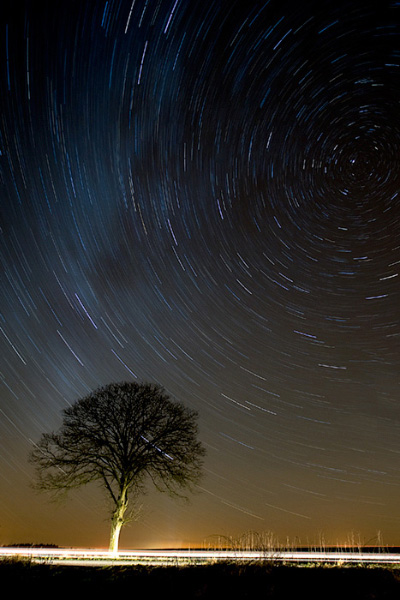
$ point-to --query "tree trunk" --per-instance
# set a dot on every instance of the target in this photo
(117, 521)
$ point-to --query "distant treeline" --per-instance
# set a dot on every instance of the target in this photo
(29, 545)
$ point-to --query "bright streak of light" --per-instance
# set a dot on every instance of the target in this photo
(96, 557)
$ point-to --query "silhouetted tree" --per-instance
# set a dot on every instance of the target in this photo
(118, 435)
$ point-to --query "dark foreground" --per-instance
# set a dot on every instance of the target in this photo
(219, 581)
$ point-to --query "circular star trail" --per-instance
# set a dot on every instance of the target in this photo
(206, 196)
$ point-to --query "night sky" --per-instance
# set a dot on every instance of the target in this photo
(205, 195)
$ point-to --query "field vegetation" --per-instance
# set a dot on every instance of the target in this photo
(212, 581)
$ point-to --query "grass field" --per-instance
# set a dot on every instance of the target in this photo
(217, 581)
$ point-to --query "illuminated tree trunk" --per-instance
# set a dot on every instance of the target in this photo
(117, 521)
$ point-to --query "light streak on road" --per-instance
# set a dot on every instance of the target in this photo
(180, 557)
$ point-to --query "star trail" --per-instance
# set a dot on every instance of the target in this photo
(205, 195)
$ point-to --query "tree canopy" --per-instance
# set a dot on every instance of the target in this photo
(120, 435)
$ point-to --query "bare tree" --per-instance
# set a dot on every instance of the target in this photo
(119, 435)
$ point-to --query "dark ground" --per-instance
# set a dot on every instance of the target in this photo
(230, 581)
